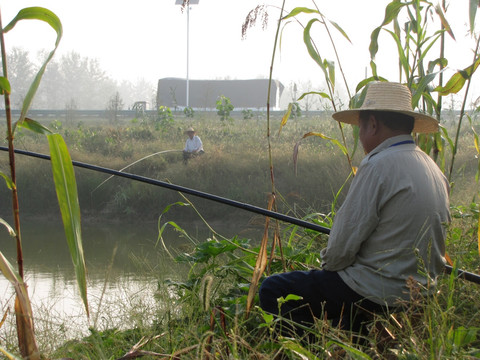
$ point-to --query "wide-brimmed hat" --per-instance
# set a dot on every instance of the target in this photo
(389, 96)
(190, 129)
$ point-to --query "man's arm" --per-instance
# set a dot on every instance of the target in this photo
(356, 219)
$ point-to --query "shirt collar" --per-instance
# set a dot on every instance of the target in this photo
(388, 143)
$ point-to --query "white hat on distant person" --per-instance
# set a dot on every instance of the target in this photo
(393, 97)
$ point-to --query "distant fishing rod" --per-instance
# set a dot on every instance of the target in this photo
(248, 207)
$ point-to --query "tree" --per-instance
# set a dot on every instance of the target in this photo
(115, 104)
(224, 107)
(21, 71)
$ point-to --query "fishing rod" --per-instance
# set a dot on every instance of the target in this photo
(248, 207)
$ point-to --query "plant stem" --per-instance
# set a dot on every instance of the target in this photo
(272, 176)
(11, 156)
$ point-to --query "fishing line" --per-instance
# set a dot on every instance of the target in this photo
(251, 208)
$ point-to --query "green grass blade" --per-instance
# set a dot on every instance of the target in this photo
(42, 14)
(66, 187)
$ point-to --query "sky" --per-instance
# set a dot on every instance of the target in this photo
(147, 39)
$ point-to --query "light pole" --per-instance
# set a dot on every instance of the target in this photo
(188, 3)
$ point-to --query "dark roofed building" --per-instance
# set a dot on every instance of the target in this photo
(203, 94)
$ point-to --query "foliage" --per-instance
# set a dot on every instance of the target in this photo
(189, 112)
(247, 114)
(164, 118)
(115, 104)
(224, 107)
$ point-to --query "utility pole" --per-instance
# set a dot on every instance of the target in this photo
(187, 4)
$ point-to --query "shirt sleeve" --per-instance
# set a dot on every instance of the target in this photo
(356, 219)
(198, 143)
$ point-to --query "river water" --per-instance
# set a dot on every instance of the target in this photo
(125, 264)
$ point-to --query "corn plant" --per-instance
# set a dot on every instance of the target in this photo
(65, 186)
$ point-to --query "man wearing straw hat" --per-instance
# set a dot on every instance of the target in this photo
(389, 231)
(193, 145)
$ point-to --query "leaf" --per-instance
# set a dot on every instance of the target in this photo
(300, 10)
(340, 30)
(23, 311)
(260, 264)
(421, 88)
(66, 188)
(334, 141)
(308, 42)
(42, 14)
(285, 117)
(8, 181)
(4, 85)
(472, 12)
(35, 126)
(391, 12)
(401, 54)
(330, 66)
(322, 94)
(10, 230)
(444, 21)
(456, 82)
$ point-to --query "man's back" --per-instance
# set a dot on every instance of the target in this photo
(390, 226)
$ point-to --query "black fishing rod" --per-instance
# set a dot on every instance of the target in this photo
(248, 207)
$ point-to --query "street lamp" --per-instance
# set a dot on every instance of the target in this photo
(188, 3)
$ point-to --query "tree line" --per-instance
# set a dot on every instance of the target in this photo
(72, 82)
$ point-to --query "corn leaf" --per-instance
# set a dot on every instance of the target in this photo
(42, 14)
(66, 188)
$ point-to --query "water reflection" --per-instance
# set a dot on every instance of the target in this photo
(124, 267)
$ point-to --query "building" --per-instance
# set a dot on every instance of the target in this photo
(203, 94)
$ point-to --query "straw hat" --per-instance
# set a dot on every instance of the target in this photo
(190, 129)
(388, 96)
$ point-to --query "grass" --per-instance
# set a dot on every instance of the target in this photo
(235, 166)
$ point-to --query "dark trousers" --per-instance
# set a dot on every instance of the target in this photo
(188, 155)
(325, 296)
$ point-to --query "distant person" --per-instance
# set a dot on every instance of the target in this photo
(193, 145)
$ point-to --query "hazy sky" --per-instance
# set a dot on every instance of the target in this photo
(147, 38)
